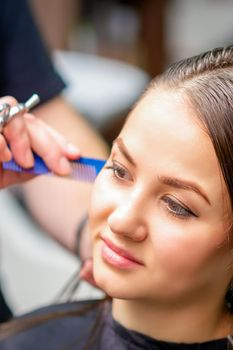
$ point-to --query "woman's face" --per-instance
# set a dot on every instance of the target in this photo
(160, 211)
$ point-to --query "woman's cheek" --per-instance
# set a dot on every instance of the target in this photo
(99, 202)
(169, 244)
(180, 247)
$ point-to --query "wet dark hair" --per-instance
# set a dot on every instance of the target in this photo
(207, 82)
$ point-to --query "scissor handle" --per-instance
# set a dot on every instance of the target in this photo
(4, 114)
(7, 112)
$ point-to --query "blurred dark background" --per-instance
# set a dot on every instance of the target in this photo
(148, 33)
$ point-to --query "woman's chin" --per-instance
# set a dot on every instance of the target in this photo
(115, 288)
(114, 292)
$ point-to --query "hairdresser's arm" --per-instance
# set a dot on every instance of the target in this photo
(58, 204)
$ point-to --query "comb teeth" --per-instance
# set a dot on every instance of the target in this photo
(83, 172)
(83, 169)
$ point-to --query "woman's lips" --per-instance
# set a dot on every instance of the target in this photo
(117, 256)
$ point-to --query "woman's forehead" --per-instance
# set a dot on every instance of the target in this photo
(168, 112)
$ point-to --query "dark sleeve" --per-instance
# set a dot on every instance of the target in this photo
(25, 65)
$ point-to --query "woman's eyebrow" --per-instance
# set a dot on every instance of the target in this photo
(123, 149)
(167, 180)
(184, 185)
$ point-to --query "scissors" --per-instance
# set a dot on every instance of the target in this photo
(7, 112)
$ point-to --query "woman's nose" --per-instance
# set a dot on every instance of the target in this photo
(128, 220)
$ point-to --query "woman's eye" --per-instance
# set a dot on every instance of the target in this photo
(177, 209)
(119, 172)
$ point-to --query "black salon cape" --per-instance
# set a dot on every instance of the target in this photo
(73, 332)
(25, 67)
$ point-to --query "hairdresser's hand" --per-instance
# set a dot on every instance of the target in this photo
(86, 272)
(25, 134)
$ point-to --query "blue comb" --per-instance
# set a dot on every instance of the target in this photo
(83, 169)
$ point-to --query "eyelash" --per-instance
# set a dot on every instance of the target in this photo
(174, 208)
(118, 171)
(178, 210)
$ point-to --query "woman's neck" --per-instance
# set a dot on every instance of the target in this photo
(176, 324)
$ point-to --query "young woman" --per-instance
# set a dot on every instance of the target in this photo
(161, 225)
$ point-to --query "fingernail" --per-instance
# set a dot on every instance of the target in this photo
(64, 166)
(72, 149)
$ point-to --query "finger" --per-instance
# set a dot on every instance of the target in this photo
(69, 149)
(5, 153)
(46, 146)
(16, 134)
